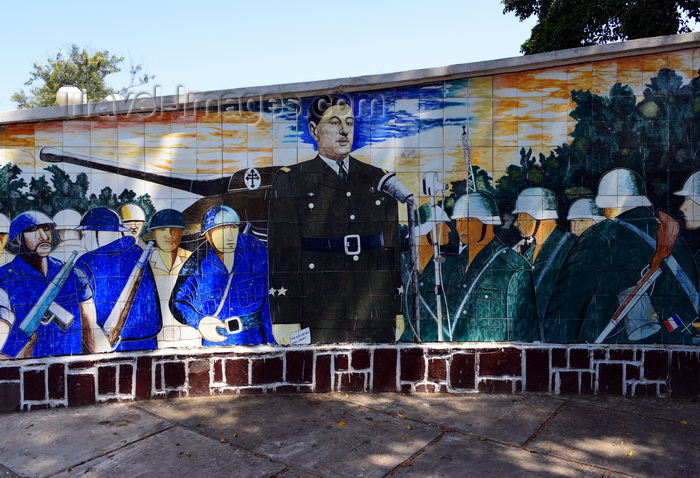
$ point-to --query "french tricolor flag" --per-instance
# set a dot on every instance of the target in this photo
(673, 323)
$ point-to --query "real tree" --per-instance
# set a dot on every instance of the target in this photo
(81, 67)
(573, 23)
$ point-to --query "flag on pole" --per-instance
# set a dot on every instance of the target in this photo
(673, 323)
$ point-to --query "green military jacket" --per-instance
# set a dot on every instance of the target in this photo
(493, 299)
(427, 329)
(607, 259)
(545, 268)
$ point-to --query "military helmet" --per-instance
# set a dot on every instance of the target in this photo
(67, 219)
(132, 212)
(621, 187)
(4, 224)
(426, 220)
(6, 312)
(540, 203)
(219, 216)
(585, 208)
(479, 206)
(167, 218)
(691, 188)
(101, 219)
(26, 220)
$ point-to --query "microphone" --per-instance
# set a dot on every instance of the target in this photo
(391, 185)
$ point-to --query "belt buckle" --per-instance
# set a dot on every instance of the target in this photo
(351, 243)
(233, 325)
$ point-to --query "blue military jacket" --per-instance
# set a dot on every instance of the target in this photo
(108, 269)
(202, 285)
(24, 285)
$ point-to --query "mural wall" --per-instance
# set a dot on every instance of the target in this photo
(556, 205)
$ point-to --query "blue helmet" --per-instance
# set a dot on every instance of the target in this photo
(26, 220)
(167, 218)
(219, 216)
(101, 219)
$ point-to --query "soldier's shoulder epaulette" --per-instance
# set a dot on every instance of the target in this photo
(285, 169)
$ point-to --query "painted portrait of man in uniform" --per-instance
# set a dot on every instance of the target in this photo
(333, 239)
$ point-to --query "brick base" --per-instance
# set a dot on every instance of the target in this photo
(472, 368)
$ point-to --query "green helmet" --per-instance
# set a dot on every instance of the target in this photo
(691, 188)
(539, 203)
(479, 206)
(621, 187)
(585, 208)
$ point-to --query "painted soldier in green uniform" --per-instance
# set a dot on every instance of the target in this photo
(333, 240)
(428, 217)
(583, 214)
(489, 287)
(537, 218)
(607, 261)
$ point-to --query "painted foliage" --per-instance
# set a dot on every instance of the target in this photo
(555, 205)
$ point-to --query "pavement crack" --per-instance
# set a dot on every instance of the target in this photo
(407, 461)
(544, 425)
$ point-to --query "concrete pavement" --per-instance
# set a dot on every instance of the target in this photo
(369, 435)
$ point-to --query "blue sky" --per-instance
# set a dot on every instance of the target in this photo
(218, 45)
(211, 45)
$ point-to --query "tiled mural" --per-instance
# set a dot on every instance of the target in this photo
(558, 205)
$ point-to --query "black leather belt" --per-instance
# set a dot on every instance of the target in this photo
(235, 325)
(351, 245)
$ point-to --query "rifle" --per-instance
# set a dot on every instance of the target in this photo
(45, 310)
(117, 317)
(666, 236)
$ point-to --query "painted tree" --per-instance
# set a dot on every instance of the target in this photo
(81, 67)
(658, 137)
(565, 24)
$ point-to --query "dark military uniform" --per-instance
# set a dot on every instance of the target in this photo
(546, 266)
(492, 299)
(607, 259)
(428, 299)
(334, 253)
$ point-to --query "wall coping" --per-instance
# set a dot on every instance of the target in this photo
(185, 100)
(250, 350)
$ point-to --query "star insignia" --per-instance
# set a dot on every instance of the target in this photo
(400, 290)
(272, 291)
(282, 291)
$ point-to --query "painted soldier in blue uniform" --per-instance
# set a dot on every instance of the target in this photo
(26, 278)
(109, 267)
(223, 290)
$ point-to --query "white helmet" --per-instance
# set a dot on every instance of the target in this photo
(132, 212)
(539, 203)
(426, 219)
(4, 224)
(585, 208)
(67, 219)
(621, 187)
(6, 312)
(691, 188)
(479, 206)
